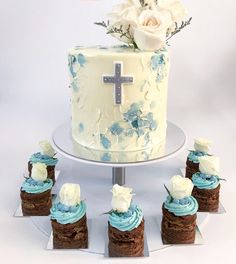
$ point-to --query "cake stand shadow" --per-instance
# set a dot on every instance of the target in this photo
(118, 160)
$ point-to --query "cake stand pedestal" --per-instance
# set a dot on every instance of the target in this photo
(118, 161)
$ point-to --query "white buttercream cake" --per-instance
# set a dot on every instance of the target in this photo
(119, 97)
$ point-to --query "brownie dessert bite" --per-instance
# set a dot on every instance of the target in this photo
(178, 224)
(46, 156)
(35, 192)
(68, 219)
(207, 184)
(201, 148)
(125, 225)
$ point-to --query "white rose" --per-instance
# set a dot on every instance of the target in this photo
(47, 148)
(121, 198)
(150, 4)
(125, 15)
(180, 187)
(175, 7)
(209, 165)
(202, 144)
(70, 194)
(39, 172)
(150, 33)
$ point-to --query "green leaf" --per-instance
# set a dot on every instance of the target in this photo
(109, 212)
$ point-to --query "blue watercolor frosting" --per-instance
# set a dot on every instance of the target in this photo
(81, 59)
(158, 62)
(32, 186)
(67, 214)
(105, 142)
(74, 62)
(106, 157)
(182, 207)
(116, 129)
(71, 63)
(126, 221)
(47, 160)
(139, 122)
(204, 181)
(81, 127)
(194, 155)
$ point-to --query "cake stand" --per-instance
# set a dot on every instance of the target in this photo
(118, 161)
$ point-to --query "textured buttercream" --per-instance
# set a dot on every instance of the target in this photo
(140, 121)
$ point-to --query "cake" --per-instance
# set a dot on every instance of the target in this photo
(35, 192)
(201, 149)
(207, 184)
(68, 219)
(119, 93)
(46, 156)
(178, 224)
(125, 225)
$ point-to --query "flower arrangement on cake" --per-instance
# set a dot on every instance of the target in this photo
(179, 212)
(146, 24)
(45, 156)
(207, 184)
(125, 225)
(201, 149)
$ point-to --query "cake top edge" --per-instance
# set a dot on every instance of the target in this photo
(116, 49)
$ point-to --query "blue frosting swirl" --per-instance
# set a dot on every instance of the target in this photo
(126, 221)
(194, 155)
(182, 207)
(67, 214)
(205, 181)
(47, 160)
(32, 186)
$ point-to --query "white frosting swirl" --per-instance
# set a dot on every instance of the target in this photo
(70, 194)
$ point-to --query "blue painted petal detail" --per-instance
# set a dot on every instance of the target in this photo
(158, 62)
(153, 125)
(71, 62)
(116, 129)
(74, 87)
(106, 157)
(81, 127)
(81, 59)
(106, 143)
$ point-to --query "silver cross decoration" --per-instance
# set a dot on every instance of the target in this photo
(118, 80)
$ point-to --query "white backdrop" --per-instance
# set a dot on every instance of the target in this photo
(34, 96)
